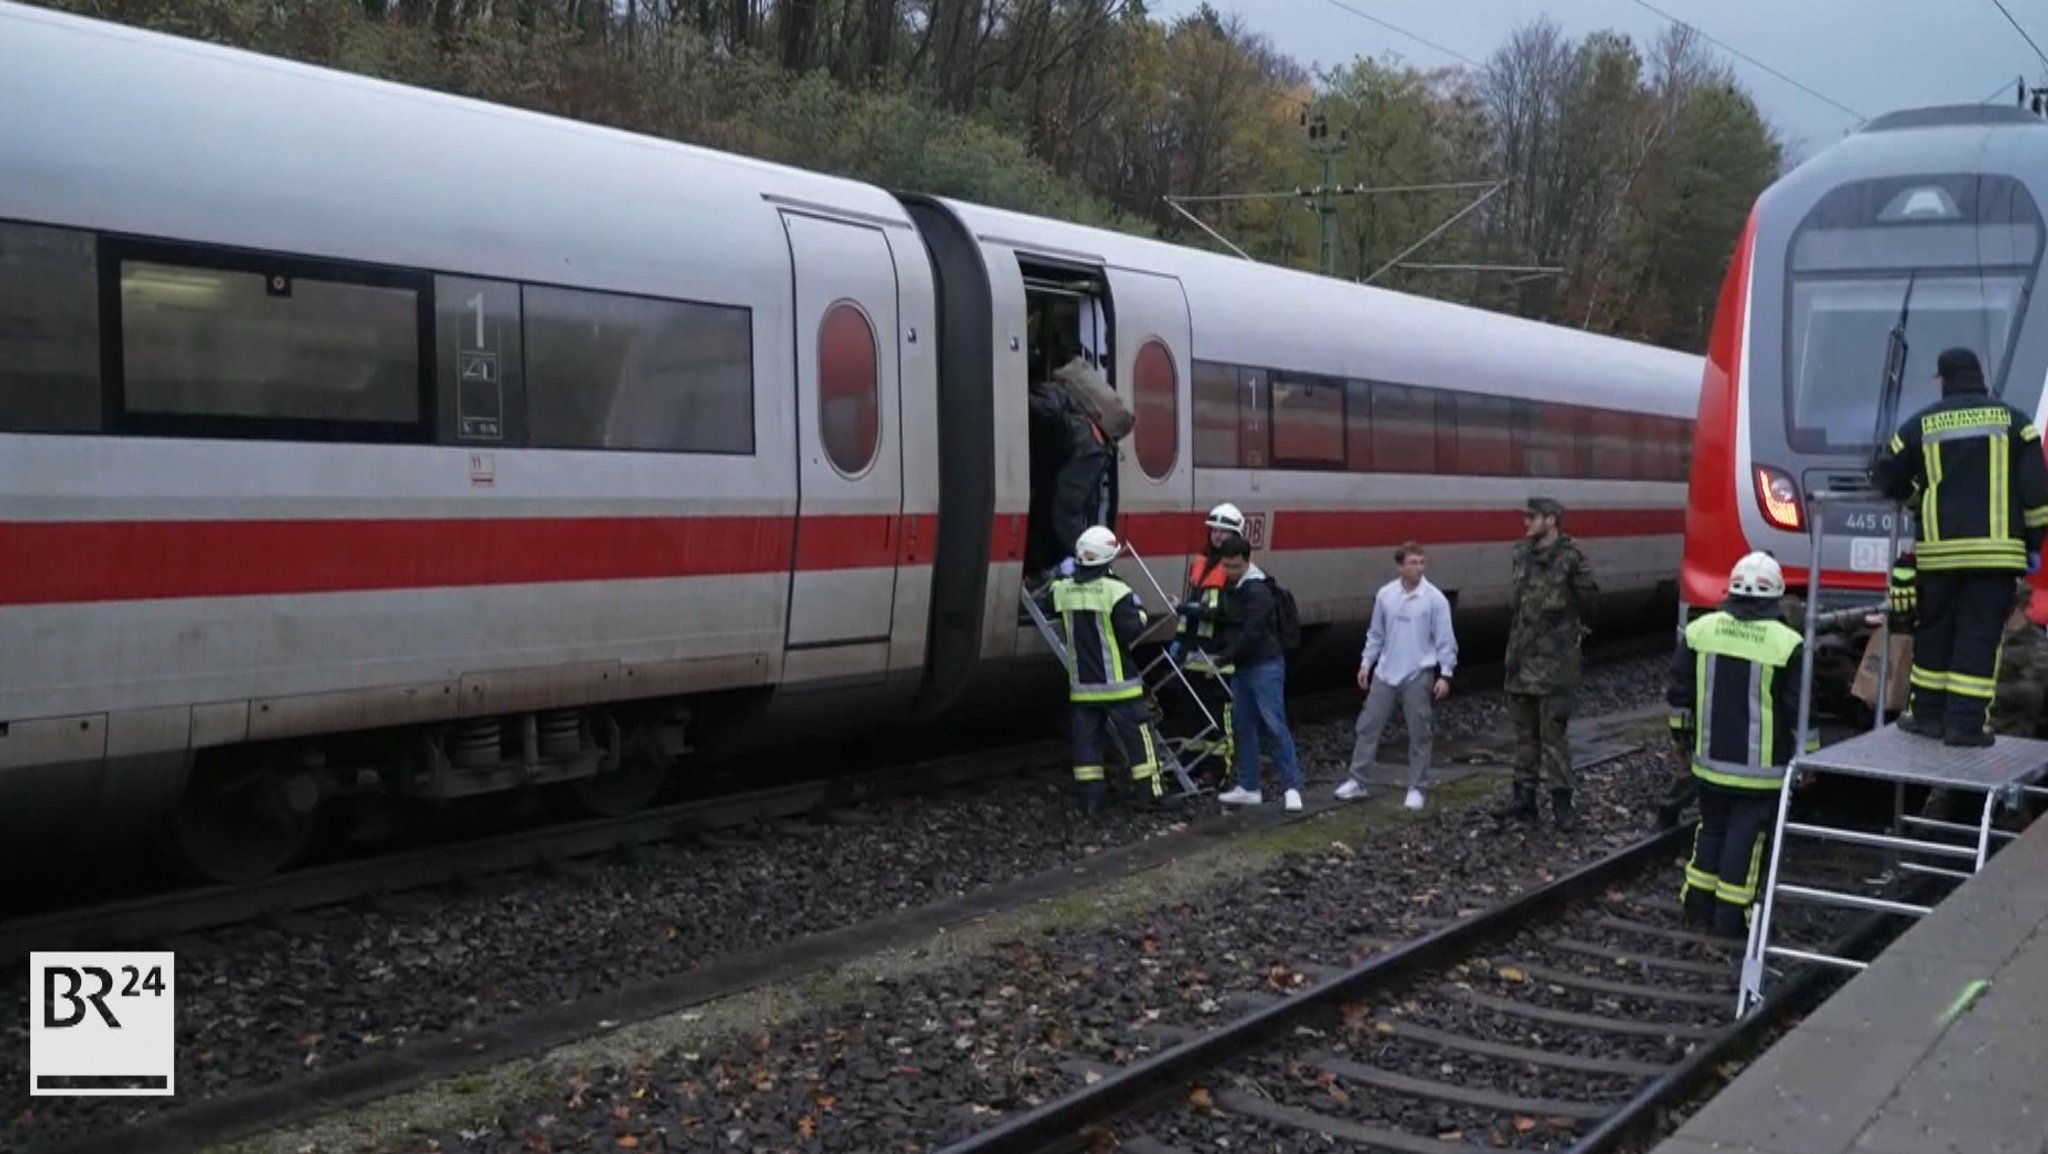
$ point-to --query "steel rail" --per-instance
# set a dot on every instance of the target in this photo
(1062, 1125)
(1739, 1039)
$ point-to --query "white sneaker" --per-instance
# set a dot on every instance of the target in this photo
(1350, 789)
(1414, 799)
(1239, 795)
(1292, 801)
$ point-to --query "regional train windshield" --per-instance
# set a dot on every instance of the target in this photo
(1954, 256)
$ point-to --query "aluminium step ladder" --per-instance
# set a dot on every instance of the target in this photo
(2001, 772)
(1156, 675)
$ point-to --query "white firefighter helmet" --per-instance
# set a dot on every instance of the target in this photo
(1097, 546)
(1227, 517)
(1757, 575)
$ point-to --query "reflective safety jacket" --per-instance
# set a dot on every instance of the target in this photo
(1203, 629)
(1735, 688)
(1101, 619)
(1982, 479)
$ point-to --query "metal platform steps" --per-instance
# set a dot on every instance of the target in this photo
(2000, 773)
(1157, 674)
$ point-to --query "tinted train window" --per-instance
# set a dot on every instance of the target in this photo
(1215, 392)
(617, 372)
(1358, 426)
(1308, 423)
(271, 345)
(1485, 435)
(49, 330)
(1403, 429)
(481, 360)
(849, 390)
(1156, 392)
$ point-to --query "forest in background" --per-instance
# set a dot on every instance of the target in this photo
(1629, 167)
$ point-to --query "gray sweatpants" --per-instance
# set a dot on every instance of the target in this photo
(1414, 695)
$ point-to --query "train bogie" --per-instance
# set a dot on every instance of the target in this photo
(369, 445)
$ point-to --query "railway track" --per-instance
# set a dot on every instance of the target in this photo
(1568, 1018)
(154, 916)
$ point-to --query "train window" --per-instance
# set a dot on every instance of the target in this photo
(1485, 443)
(614, 372)
(1155, 389)
(849, 389)
(1613, 456)
(1552, 440)
(1403, 429)
(1308, 423)
(1254, 409)
(225, 343)
(1216, 419)
(49, 330)
(1358, 426)
(481, 359)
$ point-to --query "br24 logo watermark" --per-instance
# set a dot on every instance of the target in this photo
(102, 1024)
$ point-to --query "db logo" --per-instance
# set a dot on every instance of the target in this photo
(1255, 530)
(102, 1024)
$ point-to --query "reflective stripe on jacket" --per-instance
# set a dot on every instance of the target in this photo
(1735, 683)
(1101, 619)
(1983, 482)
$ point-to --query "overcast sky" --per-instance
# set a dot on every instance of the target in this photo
(1869, 55)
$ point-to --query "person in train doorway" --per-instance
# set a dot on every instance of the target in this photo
(1080, 466)
(1734, 697)
(1552, 593)
(1100, 619)
(1410, 654)
(1975, 463)
(1258, 689)
(1203, 721)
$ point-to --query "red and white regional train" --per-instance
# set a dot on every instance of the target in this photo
(361, 438)
(1932, 214)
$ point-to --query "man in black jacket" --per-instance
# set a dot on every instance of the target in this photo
(1976, 463)
(1259, 687)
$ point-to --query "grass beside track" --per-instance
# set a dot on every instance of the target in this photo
(453, 1101)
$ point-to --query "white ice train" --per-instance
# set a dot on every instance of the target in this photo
(361, 438)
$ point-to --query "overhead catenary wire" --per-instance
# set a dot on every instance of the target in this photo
(2010, 19)
(1744, 56)
(1400, 31)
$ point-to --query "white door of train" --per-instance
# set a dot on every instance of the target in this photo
(1154, 347)
(849, 437)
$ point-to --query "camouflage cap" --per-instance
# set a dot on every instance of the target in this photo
(1545, 507)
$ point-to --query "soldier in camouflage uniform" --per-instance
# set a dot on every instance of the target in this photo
(1553, 594)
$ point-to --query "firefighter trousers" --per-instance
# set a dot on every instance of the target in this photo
(1124, 725)
(1201, 736)
(1956, 645)
(1727, 865)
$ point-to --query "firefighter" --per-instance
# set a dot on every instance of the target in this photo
(1977, 467)
(1734, 697)
(1100, 618)
(1197, 637)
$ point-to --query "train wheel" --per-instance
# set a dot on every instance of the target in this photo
(241, 819)
(627, 789)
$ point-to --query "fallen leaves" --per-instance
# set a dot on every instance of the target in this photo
(1200, 1099)
(1511, 974)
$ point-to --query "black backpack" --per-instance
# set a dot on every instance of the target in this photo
(1286, 617)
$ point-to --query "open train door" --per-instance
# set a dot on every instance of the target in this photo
(1154, 350)
(849, 443)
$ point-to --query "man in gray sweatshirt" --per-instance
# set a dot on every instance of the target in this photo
(1410, 654)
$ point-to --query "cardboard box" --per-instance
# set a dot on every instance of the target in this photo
(1898, 677)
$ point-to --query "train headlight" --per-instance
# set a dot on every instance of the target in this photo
(1778, 497)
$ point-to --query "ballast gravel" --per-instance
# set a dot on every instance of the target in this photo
(911, 1064)
(258, 1005)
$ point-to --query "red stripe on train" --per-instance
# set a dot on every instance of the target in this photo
(1330, 529)
(43, 563)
